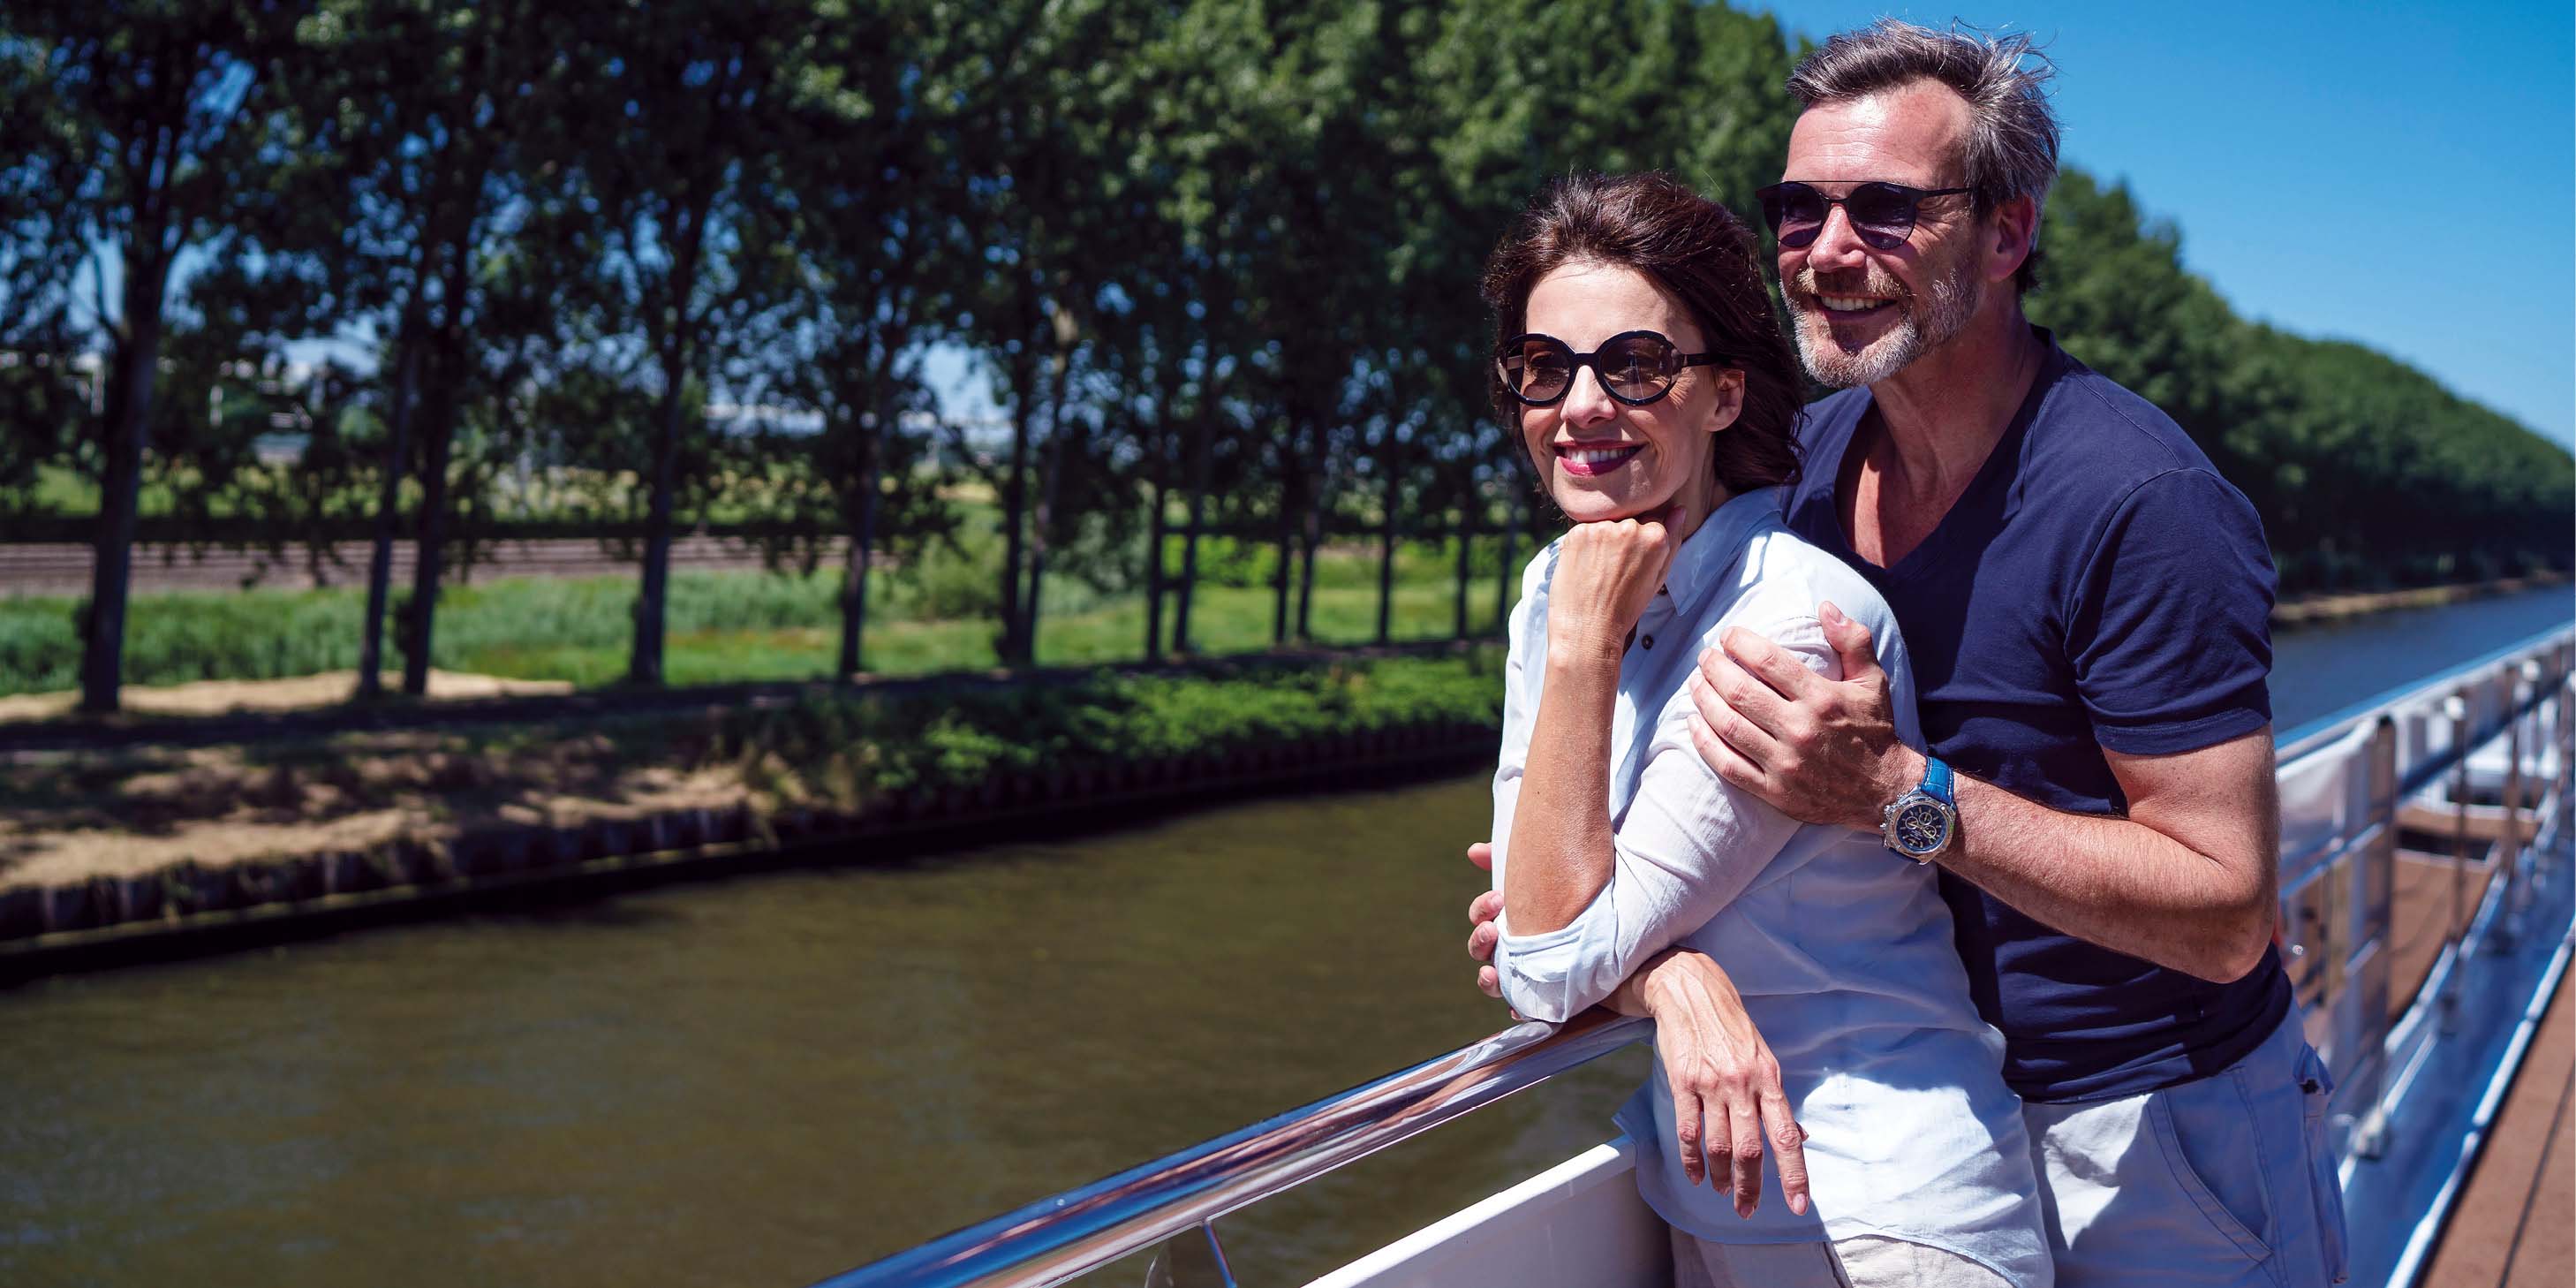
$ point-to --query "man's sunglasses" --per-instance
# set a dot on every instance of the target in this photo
(1882, 213)
(1636, 367)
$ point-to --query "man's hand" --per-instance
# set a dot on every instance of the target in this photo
(1482, 930)
(1818, 750)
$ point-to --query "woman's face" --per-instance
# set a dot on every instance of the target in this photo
(1603, 458)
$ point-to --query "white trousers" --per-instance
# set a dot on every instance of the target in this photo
(1863, 1261)
(2222, 1182)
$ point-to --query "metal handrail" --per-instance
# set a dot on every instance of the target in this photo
(1082, 1229)
(1058, 1238)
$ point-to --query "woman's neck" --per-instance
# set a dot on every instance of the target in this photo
(1697, 504)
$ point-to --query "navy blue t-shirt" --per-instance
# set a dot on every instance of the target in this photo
(2097, 585)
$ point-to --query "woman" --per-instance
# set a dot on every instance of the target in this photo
(1640, 361)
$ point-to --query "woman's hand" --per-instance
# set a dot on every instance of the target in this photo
(1726, 1085)
(1606, 574)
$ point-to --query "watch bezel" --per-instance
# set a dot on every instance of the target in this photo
(1894, 838)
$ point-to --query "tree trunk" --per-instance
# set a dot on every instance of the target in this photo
(854, 574)
(380, 560)
(1313, 538)
(653, 594)
(1304, 583)
(1467, 501)
(1511, 555)
(1013, 645)
(1202, 454)
(1050, 481)
(437, 441)
(128, 426)
(1291, 488)
(1158, 465)
(1389, 458)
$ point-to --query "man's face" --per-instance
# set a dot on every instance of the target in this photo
(1861, 314)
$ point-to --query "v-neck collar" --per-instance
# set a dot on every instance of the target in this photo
(2000, 461)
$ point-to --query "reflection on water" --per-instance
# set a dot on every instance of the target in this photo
(766, 1081)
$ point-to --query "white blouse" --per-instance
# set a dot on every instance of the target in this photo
(1841, 949)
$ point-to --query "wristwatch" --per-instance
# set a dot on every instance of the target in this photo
(1923, 822)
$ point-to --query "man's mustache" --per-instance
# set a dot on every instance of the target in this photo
(1804, 286)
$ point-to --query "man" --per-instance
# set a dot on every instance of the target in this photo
(2086, 606)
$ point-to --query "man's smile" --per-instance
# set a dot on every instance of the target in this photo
(1851, 305)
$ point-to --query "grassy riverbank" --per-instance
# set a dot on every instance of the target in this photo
(734, 626)
(70, 819)
(2309, 610)
(725, 626)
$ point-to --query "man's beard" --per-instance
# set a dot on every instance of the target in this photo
(1922, 327)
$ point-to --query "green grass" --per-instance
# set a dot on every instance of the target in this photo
(725, 626)
(849, 747)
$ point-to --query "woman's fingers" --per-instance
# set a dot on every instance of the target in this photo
(1490, 983)
(1686, 1133)
(1606, 574)
(1484, 907)
(1718, 1137)
(1788, 1146)
(1744, 1149)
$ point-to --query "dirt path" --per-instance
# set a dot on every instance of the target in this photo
(61, 568)
(303, 692)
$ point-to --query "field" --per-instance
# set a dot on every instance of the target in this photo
(934, 614)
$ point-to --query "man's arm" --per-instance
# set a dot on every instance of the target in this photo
(2187, 880)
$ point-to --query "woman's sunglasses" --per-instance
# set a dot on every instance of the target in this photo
(1636, 367)
(1882, 213)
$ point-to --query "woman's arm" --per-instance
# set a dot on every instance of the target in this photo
(1724, 1078)
(1725, 1082)
(1559, 852)
(1688, 845)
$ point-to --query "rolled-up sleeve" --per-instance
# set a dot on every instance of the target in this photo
(1688, 844)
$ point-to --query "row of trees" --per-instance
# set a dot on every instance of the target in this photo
(1218, 259)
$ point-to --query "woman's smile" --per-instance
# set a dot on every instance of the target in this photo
(1590, 460)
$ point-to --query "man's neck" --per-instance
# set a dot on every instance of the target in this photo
(1944, 413)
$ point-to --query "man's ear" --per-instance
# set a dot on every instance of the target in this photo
(2012, 230)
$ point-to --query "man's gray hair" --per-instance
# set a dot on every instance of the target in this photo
(2012, 135)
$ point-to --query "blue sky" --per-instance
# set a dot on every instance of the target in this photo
(2403, 176)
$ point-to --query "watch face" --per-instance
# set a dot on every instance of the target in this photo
(1921, 827)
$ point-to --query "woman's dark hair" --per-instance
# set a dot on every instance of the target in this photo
(1690, 246)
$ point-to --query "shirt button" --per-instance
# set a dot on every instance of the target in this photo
(1650, 641)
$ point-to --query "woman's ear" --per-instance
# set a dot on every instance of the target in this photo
(1730, 399)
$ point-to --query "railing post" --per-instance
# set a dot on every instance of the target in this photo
(2566, 709)
(2507, 865)
(2375, 885)
(2457, 708)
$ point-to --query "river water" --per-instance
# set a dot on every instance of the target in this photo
(765, 1081)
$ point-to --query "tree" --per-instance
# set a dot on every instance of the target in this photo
(689, 113)
(147, 118)
(44, 398)
(410, 126)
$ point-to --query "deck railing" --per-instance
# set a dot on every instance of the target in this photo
(2343, 780)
